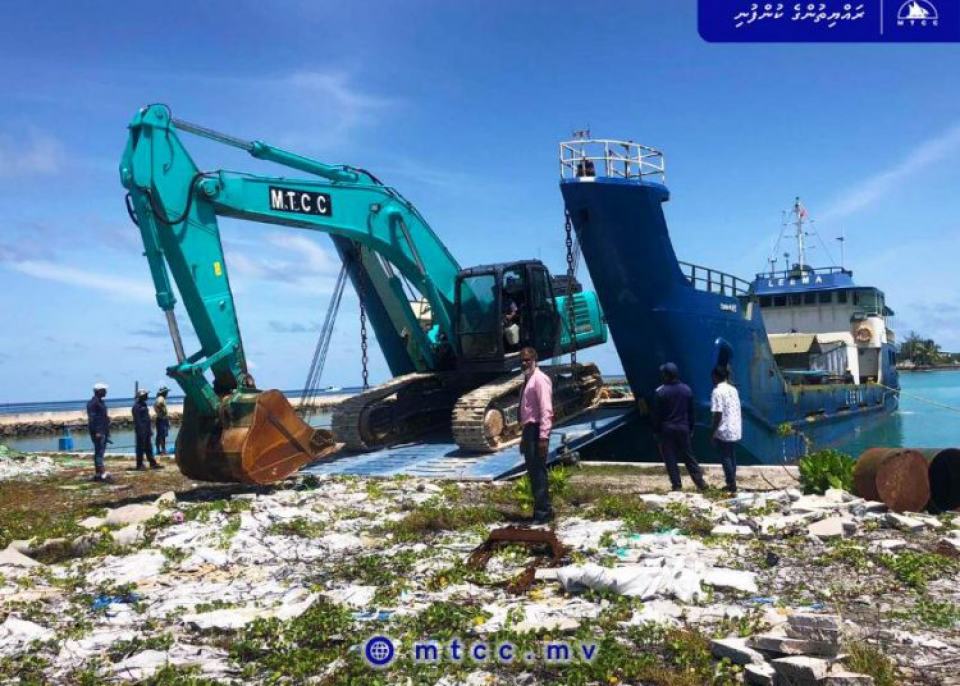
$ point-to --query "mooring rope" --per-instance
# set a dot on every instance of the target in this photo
(921, 399)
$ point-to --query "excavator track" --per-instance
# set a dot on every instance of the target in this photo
(487, 418)
(397, 411)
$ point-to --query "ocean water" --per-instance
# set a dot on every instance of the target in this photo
(919, 423)
(923, 421)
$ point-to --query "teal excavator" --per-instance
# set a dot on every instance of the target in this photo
(454, 368)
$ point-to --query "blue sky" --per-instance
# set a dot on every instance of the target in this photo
(460, 105)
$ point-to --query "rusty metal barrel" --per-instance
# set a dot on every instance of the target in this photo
(944, 473)
(898, 477)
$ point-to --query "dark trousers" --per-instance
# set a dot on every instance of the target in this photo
(728, 458)
(144, 448)
(537, 469)
(163, 427)
(99, 448)
(675, 445)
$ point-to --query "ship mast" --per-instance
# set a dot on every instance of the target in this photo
(799, 212)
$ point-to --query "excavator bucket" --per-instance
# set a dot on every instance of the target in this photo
(257, 439)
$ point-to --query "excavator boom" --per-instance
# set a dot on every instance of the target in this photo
(233, 431)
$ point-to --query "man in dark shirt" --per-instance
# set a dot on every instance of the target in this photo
(143, 430)
(673, 423)
(98, 422)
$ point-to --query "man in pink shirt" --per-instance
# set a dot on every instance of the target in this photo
(536, 418)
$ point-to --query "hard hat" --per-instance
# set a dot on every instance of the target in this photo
(99, 386)
(142, 393)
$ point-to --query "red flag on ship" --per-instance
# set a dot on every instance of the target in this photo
(801, 212)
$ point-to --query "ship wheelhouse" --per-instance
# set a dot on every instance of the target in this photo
(822, 326)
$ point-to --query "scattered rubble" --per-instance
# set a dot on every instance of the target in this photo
(16, 465)
(251, 586)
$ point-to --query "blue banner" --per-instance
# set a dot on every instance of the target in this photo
(843, 21)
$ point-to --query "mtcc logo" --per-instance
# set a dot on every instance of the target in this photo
(379, 652)
(917, 13)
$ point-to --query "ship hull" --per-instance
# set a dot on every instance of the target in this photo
(656, 315)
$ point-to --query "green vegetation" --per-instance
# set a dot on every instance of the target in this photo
(826, 469)
(434, 516)
(298, 526)
(125, 648)
(923, 352)
(558, 479)
(865, 658)
(916, 569)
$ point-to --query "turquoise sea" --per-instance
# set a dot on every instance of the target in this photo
(922, 421)
(918, 424)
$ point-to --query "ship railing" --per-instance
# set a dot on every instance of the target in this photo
(796, 273)
(713, 281)
(600, 157)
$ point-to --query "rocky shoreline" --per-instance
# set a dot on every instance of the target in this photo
(53, 423)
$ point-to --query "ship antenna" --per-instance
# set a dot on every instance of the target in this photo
(842, 241)
(800, 212)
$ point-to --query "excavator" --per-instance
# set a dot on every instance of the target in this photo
(452, 348)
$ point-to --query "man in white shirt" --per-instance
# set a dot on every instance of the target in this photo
(727, 425)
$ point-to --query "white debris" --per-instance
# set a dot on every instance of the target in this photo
(92, 522)
(672, 578)
(139, 566)
(10, 557)
(731, 530)
(19, 633)
(353, 595)
(131, 514)
(15, 465)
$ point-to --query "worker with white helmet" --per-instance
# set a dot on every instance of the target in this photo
(98, 422)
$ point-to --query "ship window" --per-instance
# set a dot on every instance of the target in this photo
(779, 300)
(809, 298)
(841, 297)
(826, 297)
(856, 297)
(795, 299)
(765, 301)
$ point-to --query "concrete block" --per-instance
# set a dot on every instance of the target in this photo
(814, 627)
(760, 675)
(831, 527)
(899, 521)
(736, 650)
(846, 679)
(785, 645)
(801, 670)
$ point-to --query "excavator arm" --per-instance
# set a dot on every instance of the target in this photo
(229, 425)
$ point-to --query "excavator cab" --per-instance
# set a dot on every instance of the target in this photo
(502, 308)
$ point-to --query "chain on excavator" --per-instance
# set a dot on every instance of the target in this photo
(233, 431)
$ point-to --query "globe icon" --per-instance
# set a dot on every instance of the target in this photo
(378, 651)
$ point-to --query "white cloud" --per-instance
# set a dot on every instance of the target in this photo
(36, 154)
(312, 257)
(116, 286)
(873, 188)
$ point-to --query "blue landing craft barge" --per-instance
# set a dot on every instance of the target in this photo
(808, 350)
